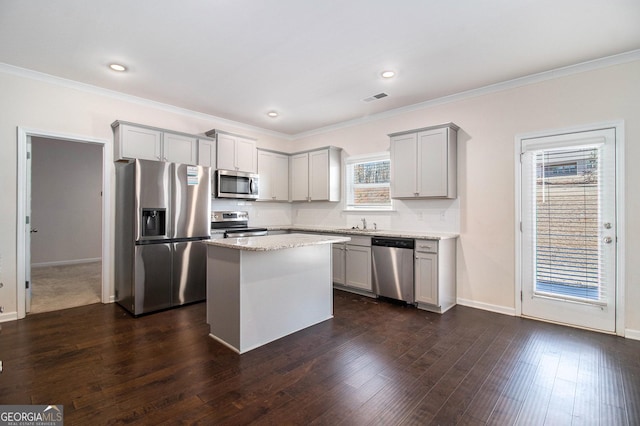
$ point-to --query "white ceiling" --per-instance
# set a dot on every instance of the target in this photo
(312, 61)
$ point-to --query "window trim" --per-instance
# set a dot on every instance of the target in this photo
(362, 158)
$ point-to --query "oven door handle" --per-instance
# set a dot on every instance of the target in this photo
(245, 234)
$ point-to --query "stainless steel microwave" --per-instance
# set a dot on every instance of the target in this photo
(234, 184)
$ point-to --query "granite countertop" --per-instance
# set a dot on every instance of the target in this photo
(367, 232)
(275, 242)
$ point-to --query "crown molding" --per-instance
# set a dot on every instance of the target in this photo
(595, 64)
(88, 88)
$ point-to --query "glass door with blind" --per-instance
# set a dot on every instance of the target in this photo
(568, 218)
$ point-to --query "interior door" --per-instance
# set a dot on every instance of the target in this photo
(569, 244)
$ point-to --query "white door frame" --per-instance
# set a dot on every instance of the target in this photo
(620, 211)
(23, 135)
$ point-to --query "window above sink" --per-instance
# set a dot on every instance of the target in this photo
(367, 182)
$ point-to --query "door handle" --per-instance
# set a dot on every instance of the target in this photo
(607, 240)
(33, 231)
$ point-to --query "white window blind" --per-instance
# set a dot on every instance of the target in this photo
(562, 222)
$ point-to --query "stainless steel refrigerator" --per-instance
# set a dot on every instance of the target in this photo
(162, 216)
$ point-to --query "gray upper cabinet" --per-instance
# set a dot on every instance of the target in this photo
(180, 148)
(424, 162)
(273, 169)
(137, 142)
(236, 153)
(299, 176)
(148, 143)
(315, 175)
(207, 153)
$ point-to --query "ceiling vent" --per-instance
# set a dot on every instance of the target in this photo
(376, 97)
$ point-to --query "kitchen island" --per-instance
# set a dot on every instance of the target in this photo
(260, 289)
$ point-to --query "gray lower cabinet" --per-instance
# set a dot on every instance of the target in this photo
(338, 250)
(435, 274)
(352, 264)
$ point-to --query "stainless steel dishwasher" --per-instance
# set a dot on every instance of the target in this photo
(392, 268)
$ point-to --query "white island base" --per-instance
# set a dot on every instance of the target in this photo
(256, 297)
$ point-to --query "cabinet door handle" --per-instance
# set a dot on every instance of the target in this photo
(426, 247)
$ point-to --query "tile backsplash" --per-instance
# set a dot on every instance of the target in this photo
(408, 215)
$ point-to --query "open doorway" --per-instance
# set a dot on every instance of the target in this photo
(66, 224)
(23, 243)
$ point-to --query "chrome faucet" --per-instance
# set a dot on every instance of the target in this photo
(364, 223)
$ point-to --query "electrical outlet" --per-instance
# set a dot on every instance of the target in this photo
(443, 216)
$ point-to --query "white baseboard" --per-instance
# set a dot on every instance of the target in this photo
(628, 333)
(8, 316)
(487, 307)
(65, 262)
(632, 334)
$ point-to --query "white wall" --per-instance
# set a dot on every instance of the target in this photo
(66, 201)
(486, 141)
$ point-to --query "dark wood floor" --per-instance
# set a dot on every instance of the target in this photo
(374, 363)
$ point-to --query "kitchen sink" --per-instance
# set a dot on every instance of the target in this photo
(361, 230)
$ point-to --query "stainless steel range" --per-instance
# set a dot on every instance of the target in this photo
(235, 224)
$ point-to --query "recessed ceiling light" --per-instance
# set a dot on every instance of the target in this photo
(272, 114)
(388, 74)
(117, 67)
